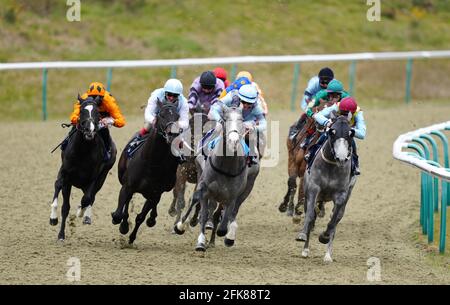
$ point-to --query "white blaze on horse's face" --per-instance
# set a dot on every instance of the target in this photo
(90, 135)
(233, 131)
(341, 150)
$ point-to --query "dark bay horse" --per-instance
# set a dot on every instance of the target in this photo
(187, 172)
(151, 171)
(297, 149)
(329, 179)
(83, 165)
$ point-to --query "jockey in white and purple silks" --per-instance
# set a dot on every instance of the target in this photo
(205, 90)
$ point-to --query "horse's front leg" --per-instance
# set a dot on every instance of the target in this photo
(310, 217)
(54, 205)
(122, 207)
(327, 236)
(150, 204)
(291, 187)
(66, 188)
(201, 240)
(180, 227)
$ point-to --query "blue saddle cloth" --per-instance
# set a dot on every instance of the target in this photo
(134, 145)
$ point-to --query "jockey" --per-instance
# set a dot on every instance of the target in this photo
(315, 84)
(332, 94)
(221, 73)
(170, 93)
(345, 107)
(238, 82)
(109, 112)
(205, 90)
(252, 112)
(260, 92)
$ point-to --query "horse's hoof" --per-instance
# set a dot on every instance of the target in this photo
(124, 227)
(211, 245)
(116, 219)
(324, 239)
(151, 222)
(193, 222)
(200, 247)
(305, 253)
(282, 207)
(131, 239)
(301, 237)
(177, 231)
(53, 221)
(87, 220)
(61, 237)
(228, 242)
(172, 211)
(221, 233)
(290, 212)
(327, 258)
(299, 209)
(209, 225)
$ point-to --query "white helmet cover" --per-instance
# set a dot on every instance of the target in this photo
(248, 93)
(173, 85)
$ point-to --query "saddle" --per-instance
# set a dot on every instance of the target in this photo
(134, 145)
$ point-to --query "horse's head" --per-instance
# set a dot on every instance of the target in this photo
(166, 120)
(233, 127)
(89, 117)
(340, 134)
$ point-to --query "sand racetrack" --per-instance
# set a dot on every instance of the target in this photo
(381, 220)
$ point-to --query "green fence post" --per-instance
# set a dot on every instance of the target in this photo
(173, 72)
(44, 94)
(443, 229)
(108, 79)
(294, 85)
(430, 210)
(408, 80)
(435, 180)
(427, 188)
(422, 183)
(233, 72)
(448, 183)
(446, 161)
(352, 72)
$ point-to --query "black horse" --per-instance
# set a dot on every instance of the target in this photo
(150, 172)
(83, 165)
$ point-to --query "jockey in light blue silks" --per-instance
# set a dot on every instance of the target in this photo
(347, 107)
(253, 114)
(315, 84)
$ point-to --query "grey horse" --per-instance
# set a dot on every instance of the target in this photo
(329, 179)
(225, 178)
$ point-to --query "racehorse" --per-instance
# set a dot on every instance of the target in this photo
(150, 172)
(225, 179)
(83, 165)
(329, 179)
(187, 172)
(297, 149)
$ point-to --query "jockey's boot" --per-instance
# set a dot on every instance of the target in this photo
(355, 165)
(252, 160)
(104, 133)
(181, 159)
(294, 129)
